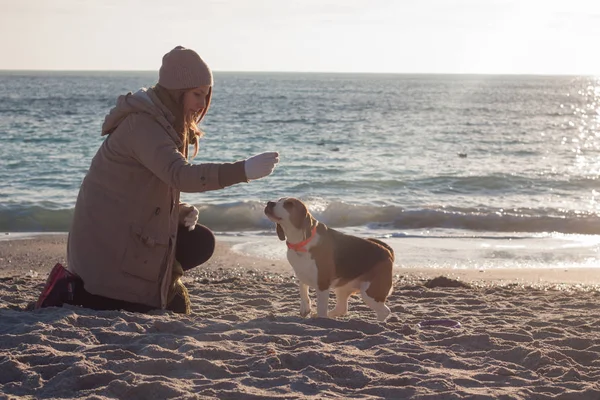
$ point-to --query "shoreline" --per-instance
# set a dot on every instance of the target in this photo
(35, 254)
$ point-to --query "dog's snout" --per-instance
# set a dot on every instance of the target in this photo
(270, 208)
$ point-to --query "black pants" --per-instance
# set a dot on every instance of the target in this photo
(192, 248)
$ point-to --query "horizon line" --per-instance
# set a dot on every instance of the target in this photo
(312, 72)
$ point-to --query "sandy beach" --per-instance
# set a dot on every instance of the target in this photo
(524, 334)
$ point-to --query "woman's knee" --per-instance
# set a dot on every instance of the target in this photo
(194, 247)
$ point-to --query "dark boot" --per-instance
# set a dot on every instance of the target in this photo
(180, 301)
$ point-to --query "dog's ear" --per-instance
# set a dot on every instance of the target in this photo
(308, 224)
(280, 233)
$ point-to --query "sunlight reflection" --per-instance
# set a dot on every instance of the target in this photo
(586, 119)
(580, 136)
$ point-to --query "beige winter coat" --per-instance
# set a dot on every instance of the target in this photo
(122, 239)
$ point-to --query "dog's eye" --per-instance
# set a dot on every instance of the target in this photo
(288, 203)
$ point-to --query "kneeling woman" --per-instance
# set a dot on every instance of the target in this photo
(131, 238)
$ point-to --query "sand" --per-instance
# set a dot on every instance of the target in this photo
(528, 334)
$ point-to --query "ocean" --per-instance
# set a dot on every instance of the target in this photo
(455, 171)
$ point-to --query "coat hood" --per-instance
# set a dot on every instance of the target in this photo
(142, 101)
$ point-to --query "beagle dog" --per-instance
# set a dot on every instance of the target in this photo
(326, 259)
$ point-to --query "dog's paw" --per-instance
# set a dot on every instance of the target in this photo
(305, 309)
(383, 313)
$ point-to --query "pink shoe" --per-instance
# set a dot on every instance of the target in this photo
(56, 289)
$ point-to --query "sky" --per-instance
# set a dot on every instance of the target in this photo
(391, 36)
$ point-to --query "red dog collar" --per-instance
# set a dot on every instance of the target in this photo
(299, 247)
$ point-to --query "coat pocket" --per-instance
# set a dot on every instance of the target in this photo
(145, 254)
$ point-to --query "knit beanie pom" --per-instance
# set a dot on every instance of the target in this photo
(184, 69)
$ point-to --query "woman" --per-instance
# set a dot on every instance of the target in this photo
(131, 238)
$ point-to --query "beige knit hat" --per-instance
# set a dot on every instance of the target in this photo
(183, 69)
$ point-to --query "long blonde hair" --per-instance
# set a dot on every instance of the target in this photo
(186, 126)
(190, 126)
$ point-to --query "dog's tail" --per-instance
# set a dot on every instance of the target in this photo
(385, 245)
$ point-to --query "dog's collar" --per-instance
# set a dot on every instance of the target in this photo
(300, 247)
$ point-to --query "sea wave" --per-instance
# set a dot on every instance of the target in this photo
(249, 216)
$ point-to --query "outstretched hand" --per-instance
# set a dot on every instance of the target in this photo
(261, 165)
